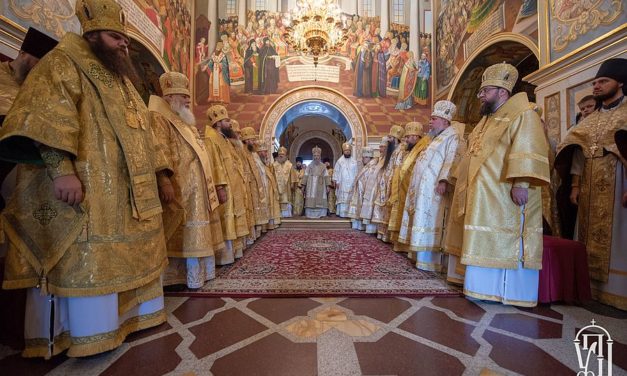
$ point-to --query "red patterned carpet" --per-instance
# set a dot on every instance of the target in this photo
(289, 263)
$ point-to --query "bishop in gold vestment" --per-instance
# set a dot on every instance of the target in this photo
(387, 193)
(356, 195)
(599, 175)
(232, 213)
(416, 144)
(187, 222)
(240, 160)
(287, 181)
(495, 224)
(257, 184)
(331, 196)
(428, 198)
(316, 180)
(99, 248)
(12, 74)
(299, 197)
(274, 207)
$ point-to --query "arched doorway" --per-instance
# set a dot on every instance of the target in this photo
(513, 49)
(321, 103)
(305, 150)
(302, 144)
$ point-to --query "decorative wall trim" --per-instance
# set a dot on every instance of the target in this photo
(552, 117)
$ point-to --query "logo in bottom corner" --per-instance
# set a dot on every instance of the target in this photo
(594, 351)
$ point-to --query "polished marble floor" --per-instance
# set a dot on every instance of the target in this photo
(345, 336)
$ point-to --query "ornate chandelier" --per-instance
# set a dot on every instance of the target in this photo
(315, 27)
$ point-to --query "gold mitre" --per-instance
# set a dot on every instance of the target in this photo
(282, 151)
(216, 113)
(174, 83)
(235, 125)
(261, 146)
(316, 151)
(414, 128)
(96, 15)
(536, 108)
(367, 152)
(346, 146)
(500, 75)
(444, 109)
(397, 132)
(248, 133)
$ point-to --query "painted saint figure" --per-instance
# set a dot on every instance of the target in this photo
(217, 67)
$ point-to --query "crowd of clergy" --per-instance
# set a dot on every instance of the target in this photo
(114, 200)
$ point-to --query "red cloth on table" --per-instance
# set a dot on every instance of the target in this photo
(564, 276)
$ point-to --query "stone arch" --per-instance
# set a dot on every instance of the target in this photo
(318, 93)
(302, 138)
(512, 48)
(501, 37)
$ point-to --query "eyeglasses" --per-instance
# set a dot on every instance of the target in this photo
(485, 90)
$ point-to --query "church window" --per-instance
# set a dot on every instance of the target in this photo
(398, 14)
(230, 7)
(366, 8)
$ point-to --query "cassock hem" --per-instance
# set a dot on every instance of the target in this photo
(500, 299)
(614, 300)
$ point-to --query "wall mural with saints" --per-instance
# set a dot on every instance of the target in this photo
(463, 25)
(252, 64)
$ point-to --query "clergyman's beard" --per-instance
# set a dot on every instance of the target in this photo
(486, 109)
(250, 147)
(347, 156)
(228, 132)
(114, 59)
(185, 114)
(604, 97)
(388, 153)
(409, 146)
(20, 72)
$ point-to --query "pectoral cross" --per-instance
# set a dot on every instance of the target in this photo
(593, 149)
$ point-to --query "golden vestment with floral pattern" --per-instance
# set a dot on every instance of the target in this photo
(299, 197)
(506, 148)
(239, 159)
(273, 196)
(233, 211)
(403, 176)
(387, 191)
(331, 196)
(194, 191)
(422, 225)
(8, 88)
(113, 241)
(256, 186)
(286, 179)
(595, 136)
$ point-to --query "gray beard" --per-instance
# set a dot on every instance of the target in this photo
(186, 115)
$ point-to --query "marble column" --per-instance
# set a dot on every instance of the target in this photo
(414, 29)
(241, 12)
(212, 14)
(385, 16)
